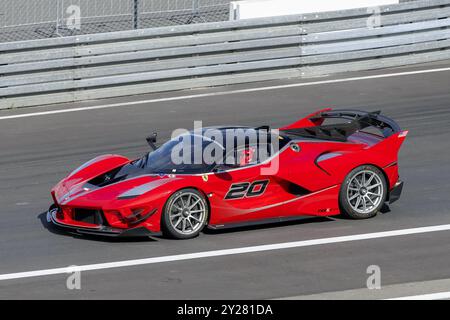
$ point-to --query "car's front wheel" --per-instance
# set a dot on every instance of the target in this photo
(185, 214)
(363, 192)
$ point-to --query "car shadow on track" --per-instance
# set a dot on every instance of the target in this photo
(270, 225)
(208, 231)
(62, 232)
(384, 210)
(59, 231)
(300, 221)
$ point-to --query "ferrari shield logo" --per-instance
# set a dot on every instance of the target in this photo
(205, 177)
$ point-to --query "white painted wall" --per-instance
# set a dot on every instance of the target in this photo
(268, 8)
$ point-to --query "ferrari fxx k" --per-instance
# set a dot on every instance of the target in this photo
(331, 162)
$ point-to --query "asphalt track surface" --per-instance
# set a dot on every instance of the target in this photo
(35, 152)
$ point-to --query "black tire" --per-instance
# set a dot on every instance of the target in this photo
(371, 196)
(169, 219)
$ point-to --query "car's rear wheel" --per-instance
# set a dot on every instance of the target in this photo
(185, 214)
(363, 192)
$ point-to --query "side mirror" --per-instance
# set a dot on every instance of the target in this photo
(151, 140)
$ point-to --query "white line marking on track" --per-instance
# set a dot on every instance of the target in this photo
(226, 252)
(223, 93)
(430, 296)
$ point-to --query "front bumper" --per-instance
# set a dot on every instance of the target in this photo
(396, 192)
(100, 230)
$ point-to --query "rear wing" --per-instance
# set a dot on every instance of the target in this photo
(311, 126)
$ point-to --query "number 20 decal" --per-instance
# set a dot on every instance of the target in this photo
(246, 189)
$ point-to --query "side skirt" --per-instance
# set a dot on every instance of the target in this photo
(258, 222)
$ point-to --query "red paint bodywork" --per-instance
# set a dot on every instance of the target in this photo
(322, 180)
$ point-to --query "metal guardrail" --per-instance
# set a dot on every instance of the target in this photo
(181, 57)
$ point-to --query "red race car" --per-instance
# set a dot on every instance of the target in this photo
(331, 162)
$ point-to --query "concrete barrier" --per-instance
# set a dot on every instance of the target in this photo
(181, 57)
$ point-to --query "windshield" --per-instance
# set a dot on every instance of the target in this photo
(183, 154)
(193, 153)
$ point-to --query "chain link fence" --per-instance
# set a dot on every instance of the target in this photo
(38, 19)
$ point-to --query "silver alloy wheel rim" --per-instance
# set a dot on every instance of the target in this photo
(187, 213)
(365, 191)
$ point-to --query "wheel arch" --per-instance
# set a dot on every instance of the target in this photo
(386, 178)
(373, 165)
(188, 187)
(344, 204)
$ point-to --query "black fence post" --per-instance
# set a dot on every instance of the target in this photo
(136, 14)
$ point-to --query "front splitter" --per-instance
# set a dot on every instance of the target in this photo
(100, 230)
